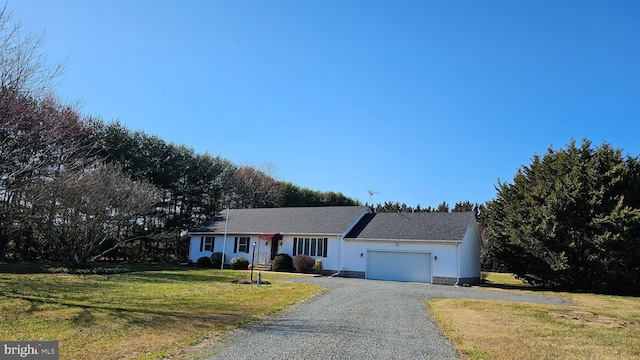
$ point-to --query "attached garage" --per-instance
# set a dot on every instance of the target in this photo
(399, 266)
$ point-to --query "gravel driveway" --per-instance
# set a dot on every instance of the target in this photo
(358, 319)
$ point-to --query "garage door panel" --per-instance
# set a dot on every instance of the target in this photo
(399, 266)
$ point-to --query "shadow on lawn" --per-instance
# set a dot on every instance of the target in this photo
(106, 268)
(143, 317)
(143, 271)
(83, 293)
(526, 287)
(186, 275)
(491, 285)
(49, 288)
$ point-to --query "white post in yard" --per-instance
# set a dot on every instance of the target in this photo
(253, 256)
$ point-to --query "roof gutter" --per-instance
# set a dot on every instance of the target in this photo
(457, 264)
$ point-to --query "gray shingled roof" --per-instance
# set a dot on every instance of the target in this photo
(293, 220)
(413, 226)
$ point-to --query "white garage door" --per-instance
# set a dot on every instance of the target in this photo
(399, 266)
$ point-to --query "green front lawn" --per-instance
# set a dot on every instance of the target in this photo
(137, 315)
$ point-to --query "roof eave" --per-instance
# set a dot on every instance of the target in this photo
(195, 233)
(405, 240)
(192, 233)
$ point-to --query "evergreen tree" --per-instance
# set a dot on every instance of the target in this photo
(443, 207)
(297, 196)
(571, 219)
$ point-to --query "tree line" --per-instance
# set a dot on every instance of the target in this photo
(76, 189)
(170, 189)
(460, 206)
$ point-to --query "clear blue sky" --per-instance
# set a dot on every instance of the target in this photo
(422, 101)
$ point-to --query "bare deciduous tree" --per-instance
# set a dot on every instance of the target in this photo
(254, 188)
(37, 139)
(34, 129)
(24, 68)
(89, 210)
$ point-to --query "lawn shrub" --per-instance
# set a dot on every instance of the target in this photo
(239, 263)
(282, 262)
(303, 263)
(318, 265)
(204, 261)
(217, 259)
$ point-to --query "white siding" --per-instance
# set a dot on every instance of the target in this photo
(355, 254)
(470, 253)
(195, 253)
(194, 248)
(263, 248)
(228, 248)
(333, 249)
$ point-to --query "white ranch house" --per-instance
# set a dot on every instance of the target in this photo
(435, 247)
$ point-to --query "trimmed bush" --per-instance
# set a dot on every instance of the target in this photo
(303, 263)
(204, 261)
(239, 263)
(217, 259)
(282, 262)
(318, 265)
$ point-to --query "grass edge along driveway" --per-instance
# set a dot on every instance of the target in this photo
(599, 327)
(137, 315)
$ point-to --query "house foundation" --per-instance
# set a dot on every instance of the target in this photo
(344, 273)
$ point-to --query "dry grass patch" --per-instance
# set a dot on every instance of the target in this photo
(599, 327)
(140, 315)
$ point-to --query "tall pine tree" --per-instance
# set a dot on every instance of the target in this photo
(571, 219)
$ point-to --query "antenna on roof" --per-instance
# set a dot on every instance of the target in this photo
(371, 193)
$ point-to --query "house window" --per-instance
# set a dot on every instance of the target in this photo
(241, 245)
(310, 246)
(206, 243)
